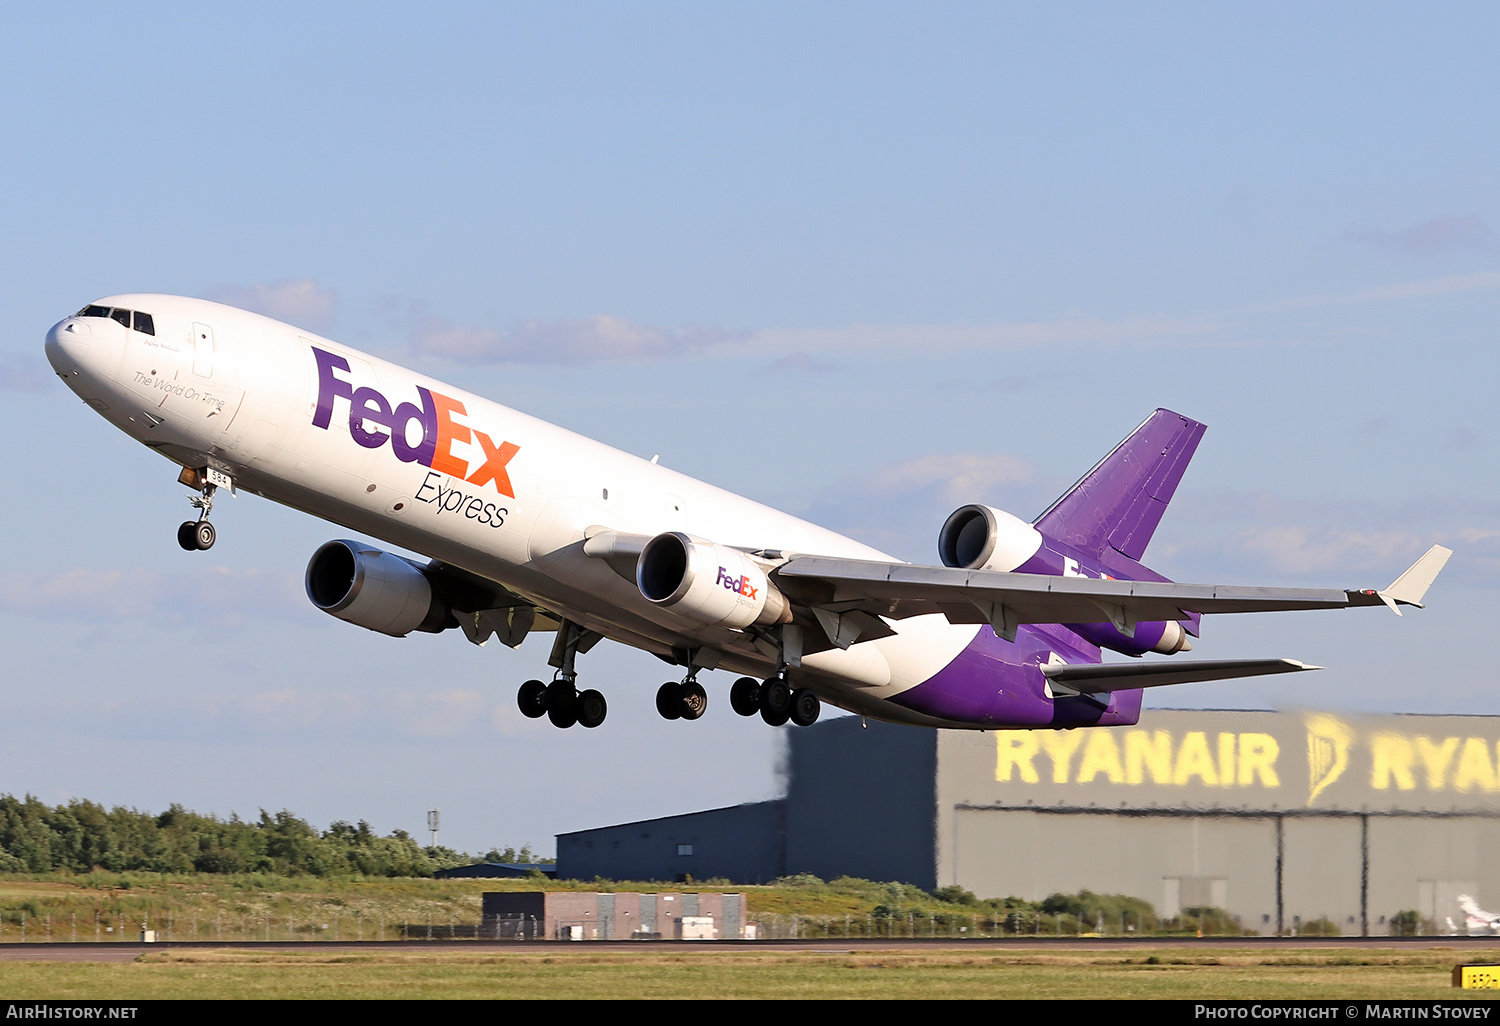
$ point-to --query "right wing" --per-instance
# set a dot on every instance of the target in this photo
(1007, 600)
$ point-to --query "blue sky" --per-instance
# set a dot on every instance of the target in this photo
(865, 262)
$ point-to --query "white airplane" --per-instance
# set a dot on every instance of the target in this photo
(530, 527)
(1476, 920)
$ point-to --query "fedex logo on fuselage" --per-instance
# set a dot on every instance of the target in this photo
(738, 585)
(373, 421)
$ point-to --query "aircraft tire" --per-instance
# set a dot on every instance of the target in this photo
(562, 704)
(667, 704)
(532, 698)
(187, 535)
(744, 696)
(805, 707)
(204, 535)
(692, 700)
(776, 702)
(592, 708)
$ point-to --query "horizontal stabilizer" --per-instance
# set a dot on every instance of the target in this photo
(1411, 587)
(1096, 678)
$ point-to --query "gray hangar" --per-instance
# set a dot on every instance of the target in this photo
(1280, 818)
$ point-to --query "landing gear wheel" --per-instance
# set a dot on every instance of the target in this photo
(692, 700)
(666, 701)
(805, 707)
(744, 696)
(204, 535)
(776, 702)
(562, 703)
(591, 708)
(187, 535)
(532, 698)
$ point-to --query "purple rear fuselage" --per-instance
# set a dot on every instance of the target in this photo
(1099, 528)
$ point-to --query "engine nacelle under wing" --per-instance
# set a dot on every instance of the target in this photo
(710, 583)
(373, 589)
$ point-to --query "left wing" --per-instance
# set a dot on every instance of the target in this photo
(1007, 600)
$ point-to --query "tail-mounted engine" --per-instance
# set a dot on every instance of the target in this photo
(978, 537)
(984, 538)
(374, 589)
(710, 583)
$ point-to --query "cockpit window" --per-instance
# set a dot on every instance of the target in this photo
(142, 321)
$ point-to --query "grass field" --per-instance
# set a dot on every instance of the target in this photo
(577, 972)
(235, 908)
(255, 907)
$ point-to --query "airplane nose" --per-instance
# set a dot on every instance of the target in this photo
(68, 345)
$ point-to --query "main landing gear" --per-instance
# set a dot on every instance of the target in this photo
(682, 701)
(199, 535)
(561, 701)
(775, 700)
(563, 704)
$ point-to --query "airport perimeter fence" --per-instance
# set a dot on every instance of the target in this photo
(264, 928)
(356, 926)
(916, 923)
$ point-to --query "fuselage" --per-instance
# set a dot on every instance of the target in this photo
(388, 453)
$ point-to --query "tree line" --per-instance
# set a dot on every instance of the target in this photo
(82, 836)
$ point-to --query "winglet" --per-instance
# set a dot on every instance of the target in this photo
(1411, 587)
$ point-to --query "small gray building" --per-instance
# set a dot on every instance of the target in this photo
(1281, 818)
(622, 915)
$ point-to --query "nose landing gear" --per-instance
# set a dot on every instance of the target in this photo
(199, 535)
(194, 535)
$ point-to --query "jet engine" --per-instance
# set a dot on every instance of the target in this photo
(710, 583)
(984, 538)
(1164, 636)
(373, 589)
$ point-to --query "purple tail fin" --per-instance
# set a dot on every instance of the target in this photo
(1118, 504)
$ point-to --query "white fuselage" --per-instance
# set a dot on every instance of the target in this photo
(218, 387)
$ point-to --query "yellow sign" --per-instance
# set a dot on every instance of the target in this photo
(1248, 759)
(1477, 977)
(1233, 760)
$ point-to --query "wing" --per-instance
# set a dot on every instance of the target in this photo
(1007, 600)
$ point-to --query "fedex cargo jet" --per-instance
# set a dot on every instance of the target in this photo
(528, 527)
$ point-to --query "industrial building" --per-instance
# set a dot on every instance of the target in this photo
(1280, 818)
(619, 915)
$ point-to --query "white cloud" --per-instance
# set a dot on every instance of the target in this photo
(1441, 234)
(302, 301)
(958, 476)
(993, 335)
(448, 713)
(214, 594)
(1241, 536)
(1300, 548)
(24, 372)
(800, 361)
(604, 337)
(590, 340)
